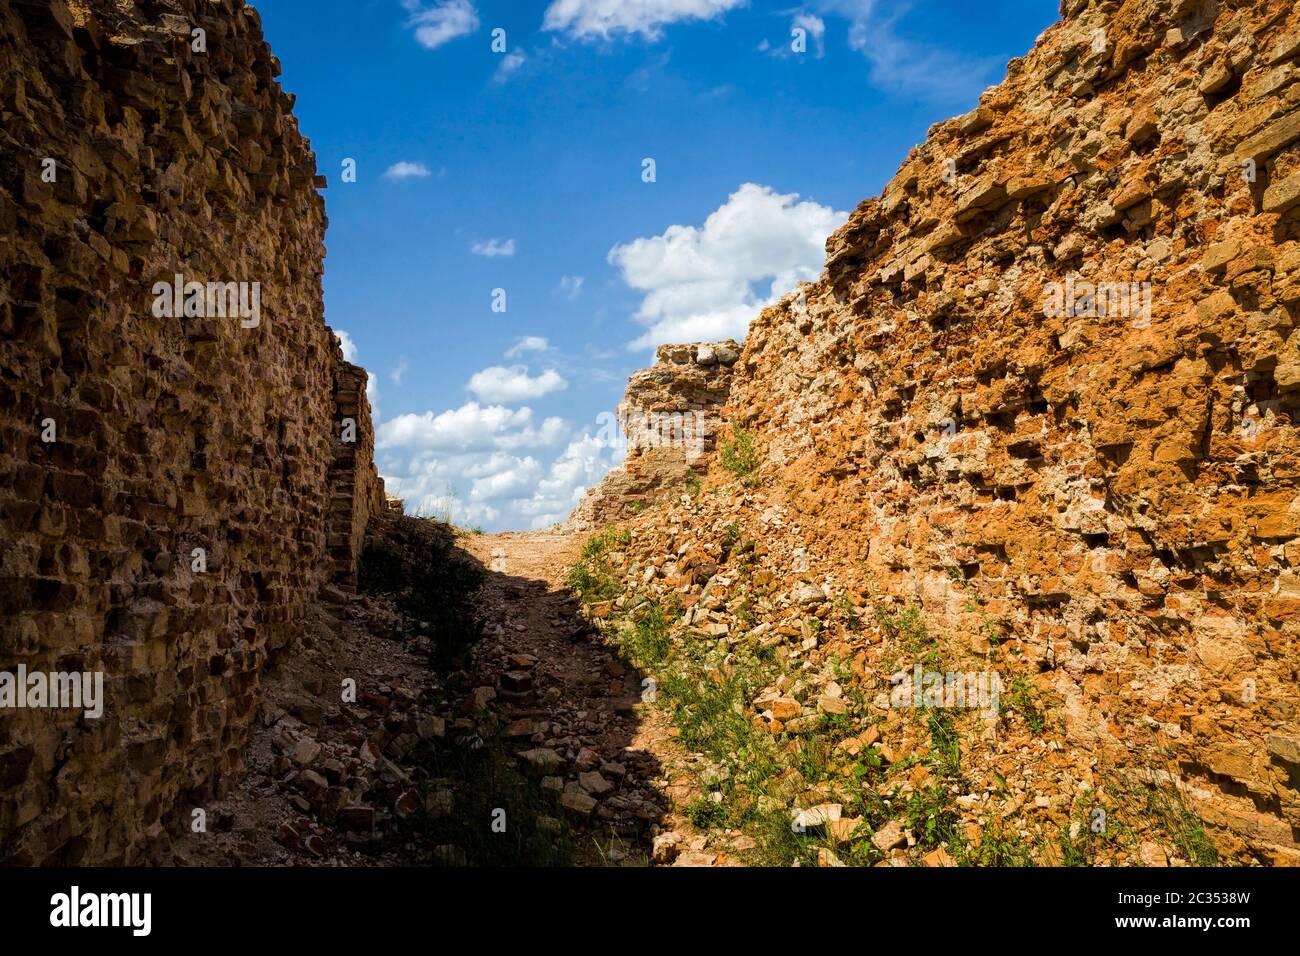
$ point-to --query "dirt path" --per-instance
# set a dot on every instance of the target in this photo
(591, 699)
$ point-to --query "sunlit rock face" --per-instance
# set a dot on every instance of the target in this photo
(1047, 390)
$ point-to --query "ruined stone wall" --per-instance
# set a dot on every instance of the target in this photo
(1119, 485)
(164, 478)
(669, 415)
(356, 490)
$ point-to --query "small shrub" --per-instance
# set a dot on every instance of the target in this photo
(707, 814)
(592, 577)
(741, 456)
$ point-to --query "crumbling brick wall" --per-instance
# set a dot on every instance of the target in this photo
(1114, 476)
(165, 498)
(356, 490)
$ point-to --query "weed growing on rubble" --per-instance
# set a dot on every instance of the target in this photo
(1077, 850)
(988, 627)
(907, 630)
(649, 641)
(996, 847)
(749, 777)
(931, 818)
(730, 535)
(944, 758)
(906, 626)
(742, 609)
(848, 613)
(1164, 805)
(592, 578)
(709, 706)
(706, 814)
(706, 689)
(741, 456)
(1021, 700)
(812, 759)
(609, 539)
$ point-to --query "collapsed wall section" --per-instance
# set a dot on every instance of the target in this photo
(669, 418)
(167, 451)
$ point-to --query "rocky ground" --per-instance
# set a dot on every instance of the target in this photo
(687, 690)
(534, 743)
(692, 689)
(814, 738)
(590, 716)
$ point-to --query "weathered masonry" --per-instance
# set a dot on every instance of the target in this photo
(173, 490)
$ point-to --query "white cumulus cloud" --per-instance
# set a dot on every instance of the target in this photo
(513, 481)
(441, 22)
(349, 347)
(708, 282)
(471, 427)
(405, 170)
(604, 18)
(514, 384)
(487, 465)
(584, 461)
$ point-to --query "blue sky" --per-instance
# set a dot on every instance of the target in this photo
(523, 171)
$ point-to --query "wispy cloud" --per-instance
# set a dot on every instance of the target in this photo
(906, 66)
(811, 35)
(511, 63)
(529, 343)
(590, 19)
(814, 29)
(405, 170)
(441, 22)
(395, 376)
(569, 286)
(491, 248)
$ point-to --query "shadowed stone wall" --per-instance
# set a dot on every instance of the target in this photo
(173, 490)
